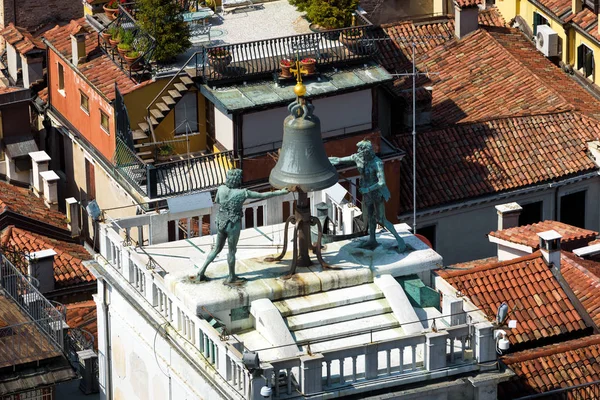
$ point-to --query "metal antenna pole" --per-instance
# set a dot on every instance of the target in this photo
(414, 133)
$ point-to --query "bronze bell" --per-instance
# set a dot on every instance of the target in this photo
(303, 164)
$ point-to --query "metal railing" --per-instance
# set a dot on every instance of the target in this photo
(261, 58)
(46, 319)
(193, 174)
(130, 166)
(137, 68)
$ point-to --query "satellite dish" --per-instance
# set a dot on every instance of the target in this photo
(502, 313)
(93, 210)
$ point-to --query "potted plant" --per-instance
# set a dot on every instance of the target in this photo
(219, 58)
(351, 38)
(106, 35)
(309, 64)
(132, 59)
(124, 45)
(115, 38)
(111, 9)
(285, 65)
(164, 152)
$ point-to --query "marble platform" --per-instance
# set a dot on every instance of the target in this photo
(352, 266)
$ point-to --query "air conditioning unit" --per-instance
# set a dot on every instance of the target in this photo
(546, 41)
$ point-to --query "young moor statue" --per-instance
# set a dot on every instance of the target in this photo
(229, 220)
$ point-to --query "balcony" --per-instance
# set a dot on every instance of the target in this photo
(31, 328)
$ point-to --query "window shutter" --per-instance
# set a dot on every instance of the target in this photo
(580, 57)
(589, 63)
(536, 21)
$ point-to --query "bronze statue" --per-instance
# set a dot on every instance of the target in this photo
(229, 220)
(374, 190)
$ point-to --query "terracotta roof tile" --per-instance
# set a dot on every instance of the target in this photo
(23, 41)
(98, 69)
(560, 8)
(68, 267)
(468, 3)
(551, 367)
(83, 315)
(490, 157)
(519, 297)
(587, 21)
(527, 235)
(24, 202)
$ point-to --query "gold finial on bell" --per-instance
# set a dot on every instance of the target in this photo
(299, 89)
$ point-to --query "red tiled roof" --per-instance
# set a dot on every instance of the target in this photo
(534, 297)
(474, 263)
(21, 39)
(586, 20)
(83, 315)
(431, 32)
(10, 89)
(468, 3)
(527, 234)
(24, 202)
(583, 282)
(551, 367)
(43, 94)
(68, 267)
(471, 160)
(558, 7)
(98, 68)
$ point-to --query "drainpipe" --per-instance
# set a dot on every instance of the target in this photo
(15, 11)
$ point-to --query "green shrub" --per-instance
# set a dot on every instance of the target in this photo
(163, 20)
(329, 14)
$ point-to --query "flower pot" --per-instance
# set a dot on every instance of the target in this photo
(219, 63)
(309, 65)
(131, 60)
(111, 13)
(114, 42)
(122, 52)
(353, 43)
(285, 70)
(327, 32)
(106, 37)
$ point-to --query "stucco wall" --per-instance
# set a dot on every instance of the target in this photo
(346, 113)
(461, 235)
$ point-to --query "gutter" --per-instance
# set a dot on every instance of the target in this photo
(499, 196)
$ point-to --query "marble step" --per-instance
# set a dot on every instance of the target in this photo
(355, 340)
(334, 331)
(324, 300)
(338, 314)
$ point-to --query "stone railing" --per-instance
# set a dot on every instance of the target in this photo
(428, 355)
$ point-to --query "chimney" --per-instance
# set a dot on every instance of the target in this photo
(465, 19)
(550, 247)
(41, 267)
(78, 48)
(73, 216)
(508, 215)
(39, 163)
(33, 70)
(50, 181)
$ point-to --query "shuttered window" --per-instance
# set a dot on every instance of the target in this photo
(585, 60)
(538, 20)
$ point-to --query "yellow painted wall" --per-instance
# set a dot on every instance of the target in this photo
(527, 9)
(138, 100)
(508, 8)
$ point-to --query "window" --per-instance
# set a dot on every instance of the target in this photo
(572, 209)
(104, 121)
(585, 60)
(531, 213)
(591, 4)
(84, 103)
(186, 114)
(61, 79)
(90, 180)
(429, 233)
(538, 20)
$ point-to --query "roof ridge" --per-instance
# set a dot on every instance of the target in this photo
(525, 67)
(454, 274)
(551, 349)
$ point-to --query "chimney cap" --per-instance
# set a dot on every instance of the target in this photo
(39, 156)
(549, 235)
(508, 207)
(49, 176)
(38, 255)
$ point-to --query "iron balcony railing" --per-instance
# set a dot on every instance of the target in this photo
(46, 320)
(261, 59)
(171, 178)
(138, 67)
